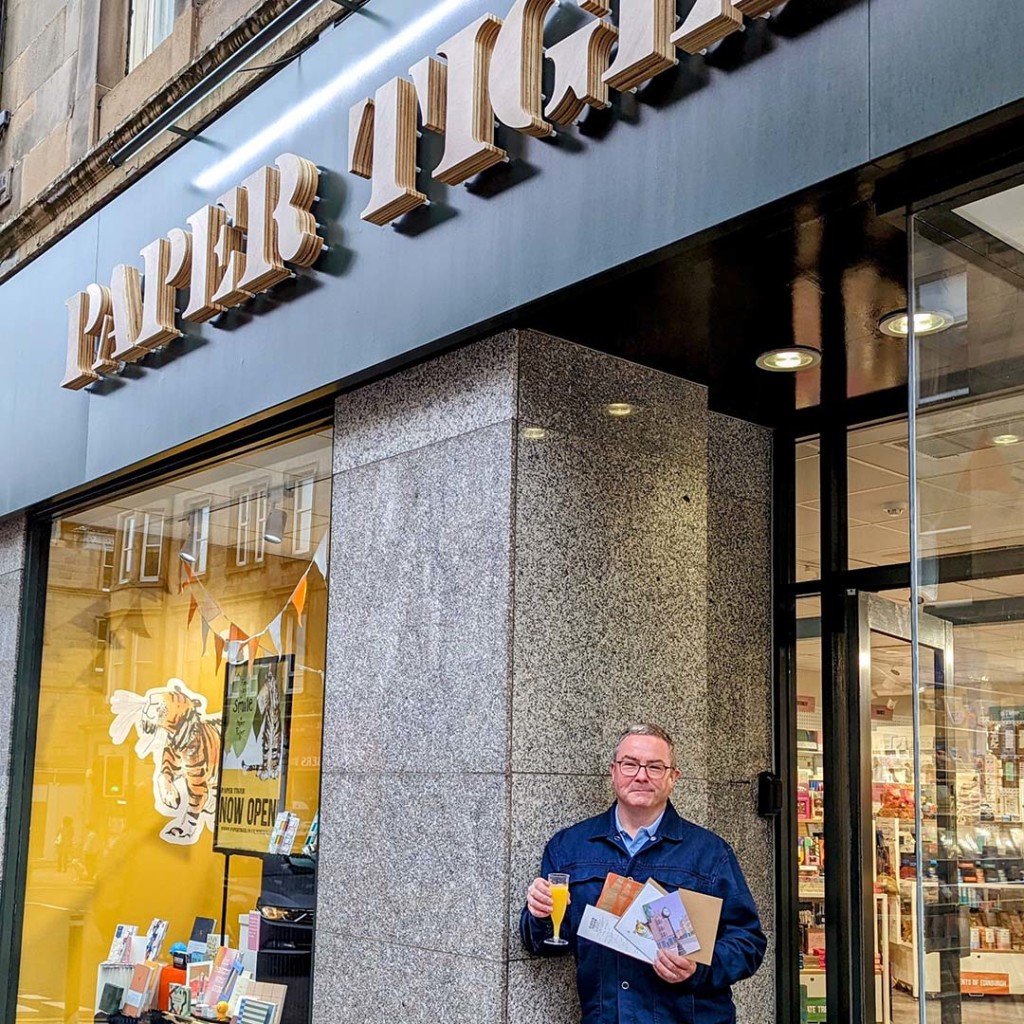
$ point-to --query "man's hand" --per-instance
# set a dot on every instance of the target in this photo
(672, 967)
(538, 898)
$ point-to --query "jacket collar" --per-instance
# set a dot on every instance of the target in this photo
(672, 826)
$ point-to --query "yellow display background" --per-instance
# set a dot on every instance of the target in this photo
(69, 918)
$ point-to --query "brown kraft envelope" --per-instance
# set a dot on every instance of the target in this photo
(705, 912)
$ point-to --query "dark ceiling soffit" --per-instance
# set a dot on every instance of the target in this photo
(975, 155)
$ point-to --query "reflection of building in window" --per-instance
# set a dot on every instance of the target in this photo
(107, 564)
(149, 23)
(251, 506)
(101, 633)
(152, 547)
(140, 556)
(197, 544)
(302, 513)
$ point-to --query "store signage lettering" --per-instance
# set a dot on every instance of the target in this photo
(493, 69)
(234, 250)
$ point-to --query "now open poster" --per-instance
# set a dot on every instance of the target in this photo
(254, 754)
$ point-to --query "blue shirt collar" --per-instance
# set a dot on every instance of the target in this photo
(644, 833)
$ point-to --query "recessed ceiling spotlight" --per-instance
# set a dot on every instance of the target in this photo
(619, 409)
(789, 360)
(928, 321)
(1006, 439)
(534, 433)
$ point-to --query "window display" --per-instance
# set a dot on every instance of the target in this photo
(175, 812)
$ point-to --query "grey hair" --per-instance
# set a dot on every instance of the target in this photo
(645, 729)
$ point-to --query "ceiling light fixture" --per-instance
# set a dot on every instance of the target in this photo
(789, 360)
(277, 521)
(928, 321)
(1006, 439)
(619, 409)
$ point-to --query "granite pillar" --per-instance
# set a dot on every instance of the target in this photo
(12, 560)
(517, 573)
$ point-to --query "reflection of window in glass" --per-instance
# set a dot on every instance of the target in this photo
(101, 632)
(107, 565)
(250, 522)
(302, 508)
(152, 546)
(242, 529)
(150, 23)
(126, 532)
(199, 537)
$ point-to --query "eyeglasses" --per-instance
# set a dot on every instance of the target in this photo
(655, 769)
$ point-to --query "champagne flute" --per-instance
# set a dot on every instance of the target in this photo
(559, 882)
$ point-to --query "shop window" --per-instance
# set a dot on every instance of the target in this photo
(135, 832)
(150, 22)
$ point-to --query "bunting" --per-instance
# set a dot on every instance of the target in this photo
(233, 642)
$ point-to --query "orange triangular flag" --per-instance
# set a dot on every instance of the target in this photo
(254, 645)
(218, 646)
(298, 597)
(234, 633)
(193, 604)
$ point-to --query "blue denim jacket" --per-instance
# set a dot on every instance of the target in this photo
(616, 989)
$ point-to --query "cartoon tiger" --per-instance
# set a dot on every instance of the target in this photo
(191, 752)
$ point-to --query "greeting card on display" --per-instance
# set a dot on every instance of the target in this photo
(670, 925)
(155, 938)
(222, 977)
(633, 923)
(139, 996)
(256, 1011)
(599, 926)
(111, 999)
(121, 947)
(201, 928)
(179, 1000)
(197, 976)
(269, 992)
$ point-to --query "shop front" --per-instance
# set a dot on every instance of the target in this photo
(347, 515)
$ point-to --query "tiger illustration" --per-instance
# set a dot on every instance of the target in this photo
(268, 700)
(184, 742)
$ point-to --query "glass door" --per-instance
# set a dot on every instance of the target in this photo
(913, 916)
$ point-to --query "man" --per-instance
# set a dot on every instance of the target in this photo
(641, 836)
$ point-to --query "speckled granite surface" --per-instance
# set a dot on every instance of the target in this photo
(12, 558)
(515, 575)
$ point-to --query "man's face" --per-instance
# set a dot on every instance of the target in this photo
(641, 791)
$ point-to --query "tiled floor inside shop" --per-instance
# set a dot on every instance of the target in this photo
(990, 1010)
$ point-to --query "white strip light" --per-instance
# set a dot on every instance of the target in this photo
(291, 119)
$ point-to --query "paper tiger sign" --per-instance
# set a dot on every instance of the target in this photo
(254, 754)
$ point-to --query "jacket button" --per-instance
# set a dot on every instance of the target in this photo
(625, 985)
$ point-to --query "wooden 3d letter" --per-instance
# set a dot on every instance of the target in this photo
(645, 43)
(469, 136)
(708, 22)
(755, 8)
(230, 249)
(430, 77)
(263, 264)
(165, 265)
(86, 313)
(580, 62)
(382, 147)
(120, 336)
(517, 67)
(295, 226)
(206, 225)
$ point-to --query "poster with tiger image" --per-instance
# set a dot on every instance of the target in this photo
(254, 754)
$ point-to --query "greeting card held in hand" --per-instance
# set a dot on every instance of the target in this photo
(633, 923)
(670, 925)
(618, 893)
